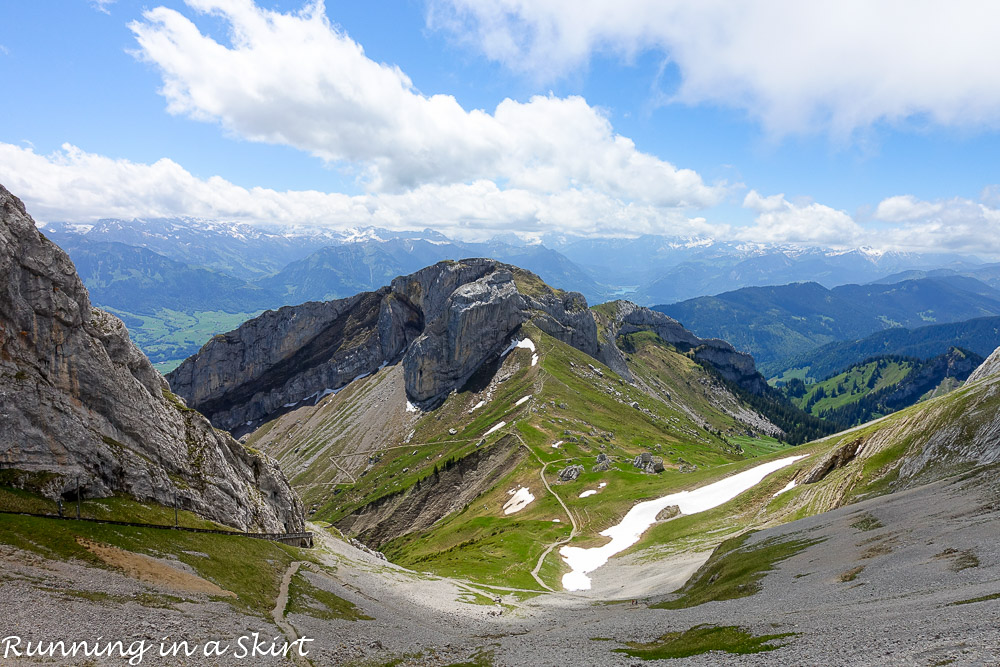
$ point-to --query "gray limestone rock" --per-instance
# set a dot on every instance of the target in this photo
(986, 369)
(648, 463)
(442, 323)
(570, 473)
(77, 398)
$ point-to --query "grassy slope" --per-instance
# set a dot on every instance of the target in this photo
(852, 385)
(250, 568)
(590, 412)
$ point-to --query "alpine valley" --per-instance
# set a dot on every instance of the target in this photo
(408, 450)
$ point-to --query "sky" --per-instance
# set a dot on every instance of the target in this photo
(839, 124)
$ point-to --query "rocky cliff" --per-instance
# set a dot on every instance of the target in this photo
(986, 369)
(442, 323)
(624, 317)
(77, 398)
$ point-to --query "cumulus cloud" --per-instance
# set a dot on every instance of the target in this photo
(781, 221)
(956, 224)
(905, 207)
(794, 66)
(77, 186)
(296, 79)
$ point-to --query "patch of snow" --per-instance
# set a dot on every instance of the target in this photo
(643, 515)
(410, 407)
(602, 485)
(788, 487)
(519, 501)
(495, 428)
(534, 359)
(522, 400)
(526, 344)
(510, 347)
(477, 406)
(290, 405)
(556, 445)
(556, 521)
(588, 492)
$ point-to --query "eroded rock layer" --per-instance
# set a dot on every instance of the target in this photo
(78, 399)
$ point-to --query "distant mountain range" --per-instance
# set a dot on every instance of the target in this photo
(773, 323)
(178, 270)
(980, 336)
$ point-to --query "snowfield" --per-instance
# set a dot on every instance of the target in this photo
(497, 427)
(521, 499)
(643, 515)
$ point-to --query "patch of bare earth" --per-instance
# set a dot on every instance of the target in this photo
(153, 571)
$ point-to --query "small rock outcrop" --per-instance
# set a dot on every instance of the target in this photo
(648, 463)
(570, 473)
(442, 323)
(78, 399)
(603, 463)
(835, 459)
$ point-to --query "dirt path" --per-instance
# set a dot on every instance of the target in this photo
(278, 613)
(572, 519)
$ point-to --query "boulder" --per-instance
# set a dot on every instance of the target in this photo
(648, 463)
(570, 473)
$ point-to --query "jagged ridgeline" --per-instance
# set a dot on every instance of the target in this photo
(79, 403)
(423, 417)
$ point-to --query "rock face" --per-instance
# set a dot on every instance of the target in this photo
(442, 323)
(988, 368)
(77, 398)
(624, 317)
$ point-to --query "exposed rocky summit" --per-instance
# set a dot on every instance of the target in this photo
(442, 323)
(77, 398)
(619, 318)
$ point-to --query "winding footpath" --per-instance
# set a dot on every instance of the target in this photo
(572, 519)
(278, 613)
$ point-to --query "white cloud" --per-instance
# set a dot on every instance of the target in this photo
(77, 186)
(756, 202)
(296, 79)
(902, 208)
(956, 224)
(795, 66)
(781, 221)
(102, 5)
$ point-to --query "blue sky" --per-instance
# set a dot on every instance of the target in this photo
(812, 123)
